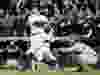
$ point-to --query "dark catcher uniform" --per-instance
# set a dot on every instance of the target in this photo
(64, 58)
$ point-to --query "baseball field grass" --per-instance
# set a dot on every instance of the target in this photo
(43, 70)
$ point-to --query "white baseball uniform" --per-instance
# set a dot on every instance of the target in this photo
(38, 47)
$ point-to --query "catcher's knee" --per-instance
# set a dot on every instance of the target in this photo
(88, 59)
